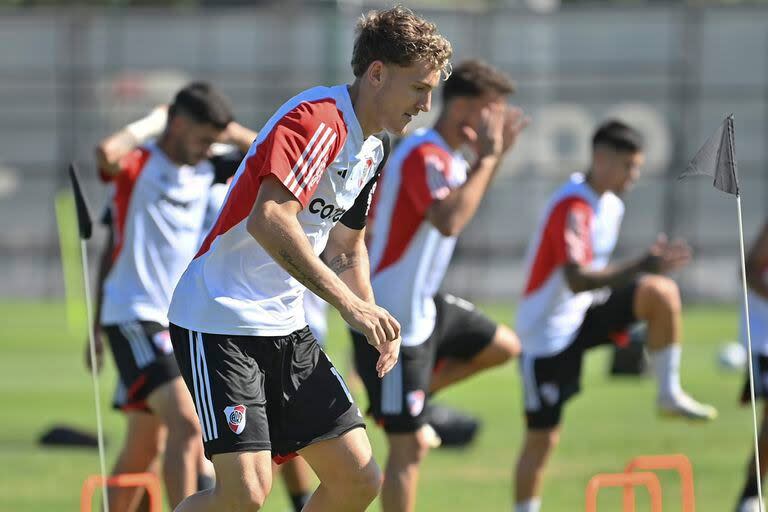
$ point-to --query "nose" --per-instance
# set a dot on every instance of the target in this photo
(426, 102)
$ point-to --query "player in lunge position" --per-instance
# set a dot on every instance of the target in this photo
(575, 300)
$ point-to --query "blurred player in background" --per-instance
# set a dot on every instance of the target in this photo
(757, 264)
(428, 193)
(145, 436)
(161, 196)
(237, 321)
(574, 300)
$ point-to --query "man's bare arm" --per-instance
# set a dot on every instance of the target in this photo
(661, 258)
(347, 256)
(273, 223)
(114, 147)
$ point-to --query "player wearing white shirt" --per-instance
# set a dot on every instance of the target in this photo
(427, 195)
(574, 300)
(261, 384)
(160, 198)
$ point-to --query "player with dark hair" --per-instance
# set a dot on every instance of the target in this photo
(428, 194)
(574, 300)
(161, 196)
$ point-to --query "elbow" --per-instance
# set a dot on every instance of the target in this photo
(448, 227)
(575, 282)
(260, 217)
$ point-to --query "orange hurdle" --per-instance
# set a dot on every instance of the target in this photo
(147, 480)
(675, 462)
(649, 480)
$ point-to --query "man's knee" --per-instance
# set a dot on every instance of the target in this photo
(247, 497)
(507, 343)
(243, 482)
(409, 448)
(660, 292)
(540, 443)
(366, 483)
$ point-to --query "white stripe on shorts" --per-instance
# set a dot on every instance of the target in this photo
(206, 381)
(198, 405)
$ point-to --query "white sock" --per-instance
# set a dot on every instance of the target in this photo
(532, 505)
(666, 365)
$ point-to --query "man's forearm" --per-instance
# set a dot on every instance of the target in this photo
(282, 237)
(581, 279)
(354, 270)
(451, 214)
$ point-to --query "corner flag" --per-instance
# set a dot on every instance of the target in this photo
(717, 158)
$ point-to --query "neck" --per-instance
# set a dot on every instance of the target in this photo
(594, 184)
(164, 144)
(450, 132)
(364, 109)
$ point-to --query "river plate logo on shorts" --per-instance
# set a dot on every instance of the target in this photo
(235, 418)
(415, 401)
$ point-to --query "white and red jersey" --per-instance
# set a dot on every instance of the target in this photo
(158, 209)
(315, 146)
(409, 256)
(578, 226)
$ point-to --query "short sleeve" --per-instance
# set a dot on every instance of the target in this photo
(576, 235)
(300, 146)
(425, 176)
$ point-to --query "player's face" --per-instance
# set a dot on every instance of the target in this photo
(624, 170)
(403, 92)
(194, 140)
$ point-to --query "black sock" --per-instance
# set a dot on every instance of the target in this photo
(299, 500)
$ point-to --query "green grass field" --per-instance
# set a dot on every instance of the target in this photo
(43, 382)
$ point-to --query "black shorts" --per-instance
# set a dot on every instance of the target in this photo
(549, 382)
(144, 358)
(254, 393)
(399, 400)
(760, 374)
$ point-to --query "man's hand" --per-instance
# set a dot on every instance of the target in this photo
(99, 349)
(380, 329)
(665, 256)
(515, 122)
(489, 137)
(238, 135)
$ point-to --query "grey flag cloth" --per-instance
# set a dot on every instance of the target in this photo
(717, 158)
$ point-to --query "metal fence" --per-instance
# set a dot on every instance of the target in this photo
(68, 78)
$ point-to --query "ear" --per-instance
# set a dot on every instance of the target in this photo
(376, 73)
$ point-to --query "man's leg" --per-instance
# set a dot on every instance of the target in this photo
(297, 476)
(537, 447)
(657, 302)
(749, 492)
(172, 403)
(349, 477)
(243, 482)
(401, 476)
(504, 346)
(144, 441)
